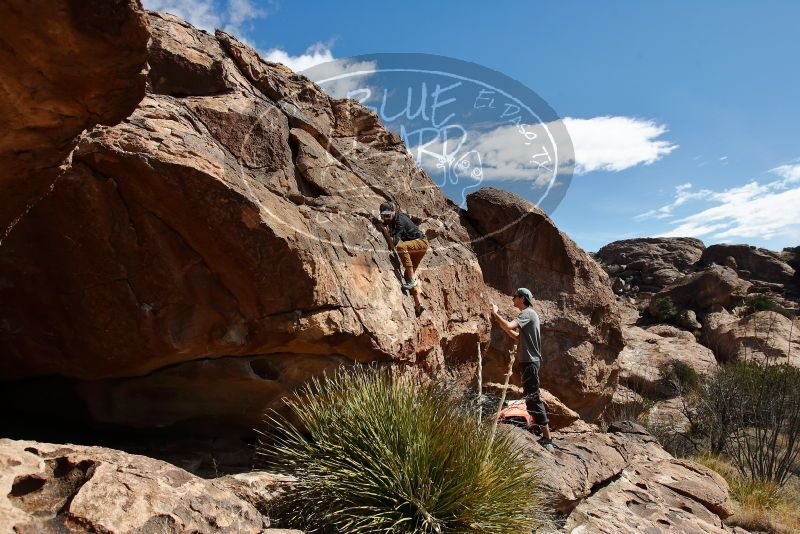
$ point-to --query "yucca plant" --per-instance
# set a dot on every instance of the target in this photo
(380, 451)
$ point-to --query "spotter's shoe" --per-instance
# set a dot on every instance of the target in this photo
(547, 444)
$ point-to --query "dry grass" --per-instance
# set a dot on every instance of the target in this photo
(762, 507)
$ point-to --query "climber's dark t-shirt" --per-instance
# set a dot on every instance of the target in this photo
(404, 229)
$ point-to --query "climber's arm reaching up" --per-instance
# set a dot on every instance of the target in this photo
(387, 237)
(509, 327)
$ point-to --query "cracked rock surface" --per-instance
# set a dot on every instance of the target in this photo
(623, 481)
(71, 488)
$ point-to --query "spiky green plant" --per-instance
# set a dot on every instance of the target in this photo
(379, 451)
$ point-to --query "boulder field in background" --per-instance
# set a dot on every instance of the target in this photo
(648, 349)
(791, 256)
(756, 263)
(519, 246)
(765, 336)
(716, 285)
(651, 263)
(46, 100)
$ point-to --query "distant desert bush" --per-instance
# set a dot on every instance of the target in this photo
(750, 411)
(760, 302)
(666, 312)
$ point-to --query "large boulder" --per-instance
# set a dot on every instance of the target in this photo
(647, 350)
(758, 263)
(716, 285)
(650, 263)
(230, 217)
(791, 256)
(611, 482)
(70, 488)
(519, 246)
(47, 100)
(655, 495)
(765, 336)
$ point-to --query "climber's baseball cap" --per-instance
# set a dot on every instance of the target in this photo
(387, 208)
(526, 294)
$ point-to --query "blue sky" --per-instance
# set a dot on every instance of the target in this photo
(684, 115)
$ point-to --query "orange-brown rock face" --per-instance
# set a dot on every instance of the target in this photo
(225, 218)
(47, 98)
(519, 246)
(202, 258)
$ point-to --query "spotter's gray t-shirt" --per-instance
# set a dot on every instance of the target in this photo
(528, 345)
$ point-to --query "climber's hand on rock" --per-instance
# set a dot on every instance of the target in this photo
(494, 308)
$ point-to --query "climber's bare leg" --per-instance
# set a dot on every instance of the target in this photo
(415, 294)
(409, 274)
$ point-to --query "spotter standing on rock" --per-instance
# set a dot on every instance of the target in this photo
(407, 240)
(525, 331)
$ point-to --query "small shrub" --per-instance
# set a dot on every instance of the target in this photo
(760, 302)
(710, 409)
(681, 376)
(611, 269)
(666, 312)
(751, 411)
(389, 452)
(766, 442)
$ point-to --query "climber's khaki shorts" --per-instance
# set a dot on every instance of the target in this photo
(412, 252)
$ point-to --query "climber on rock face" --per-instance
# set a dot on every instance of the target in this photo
(410, 244)
(525, 331)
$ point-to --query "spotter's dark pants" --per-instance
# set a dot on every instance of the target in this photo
(530, 386)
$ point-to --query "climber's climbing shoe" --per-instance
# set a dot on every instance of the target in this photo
(410, 284)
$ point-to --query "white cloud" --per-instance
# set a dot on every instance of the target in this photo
(683, 194)
(501, 152)
(314, 55)
(753, 210)
(230, 15)
(616, 143)
(790, 172)
(599, 144)
(355, 86)
(318, 63)
(241, 11)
